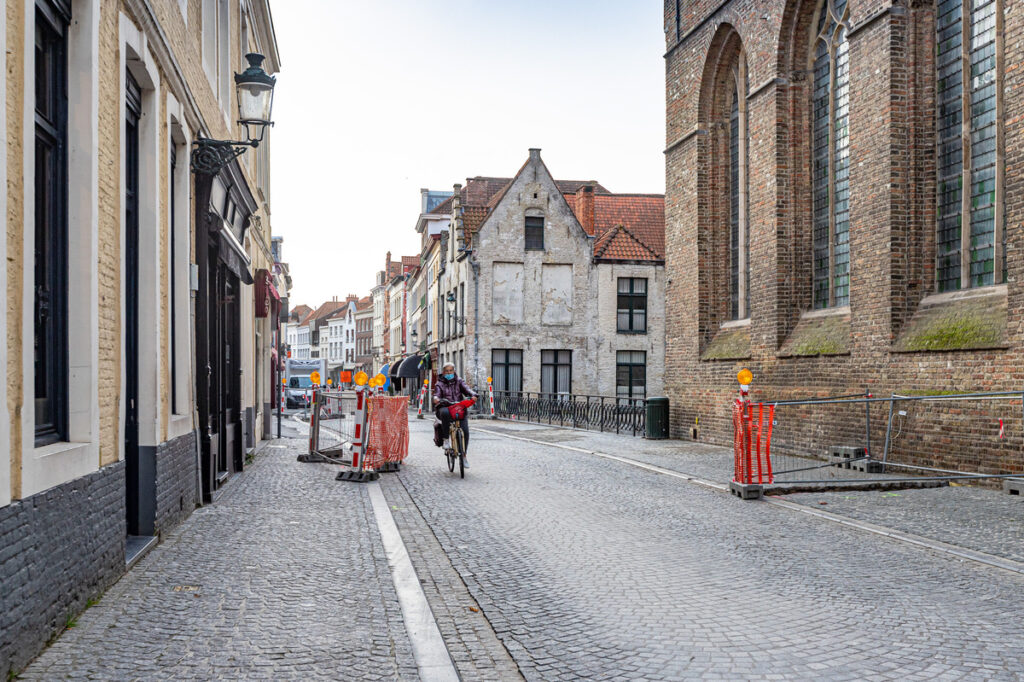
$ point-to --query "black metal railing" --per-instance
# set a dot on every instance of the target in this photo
(593, 412)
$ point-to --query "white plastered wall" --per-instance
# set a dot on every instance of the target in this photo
(179, 422)
(51, 465)
(135, 57)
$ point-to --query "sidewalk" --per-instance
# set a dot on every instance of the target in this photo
(970, 517)
(284, 577)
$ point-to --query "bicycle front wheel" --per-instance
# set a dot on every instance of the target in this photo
(460, 450)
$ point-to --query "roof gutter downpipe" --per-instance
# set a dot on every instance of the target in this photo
(476, 317)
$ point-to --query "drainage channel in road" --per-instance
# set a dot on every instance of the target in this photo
(899, 536)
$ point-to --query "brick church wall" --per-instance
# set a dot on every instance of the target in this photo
(896, 336)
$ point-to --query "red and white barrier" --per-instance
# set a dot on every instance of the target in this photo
(423, 395)
(359, 431)
(490, 395)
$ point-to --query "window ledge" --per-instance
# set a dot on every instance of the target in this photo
(730, 343)
(631, 332)
(59, 448)
(734, 324)
(972, 319)
(819, 332)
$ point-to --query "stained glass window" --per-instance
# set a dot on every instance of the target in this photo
(966, 76)
(830, 158)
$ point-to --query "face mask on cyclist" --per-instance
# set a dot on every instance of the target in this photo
(449, 377)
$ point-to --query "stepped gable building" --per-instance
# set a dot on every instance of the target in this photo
(844, 209)
(553, 286)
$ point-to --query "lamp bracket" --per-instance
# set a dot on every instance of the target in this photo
(209, 157)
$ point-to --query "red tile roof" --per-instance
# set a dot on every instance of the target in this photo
(323, 312)
(642, 216)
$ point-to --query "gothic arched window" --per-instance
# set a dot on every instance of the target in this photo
(739, 235)
(966, 80)
(830, 156)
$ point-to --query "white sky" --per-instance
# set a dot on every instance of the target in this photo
(378, 98)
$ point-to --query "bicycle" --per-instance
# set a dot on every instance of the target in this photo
(457, 436)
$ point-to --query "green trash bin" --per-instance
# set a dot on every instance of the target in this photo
(657, 418)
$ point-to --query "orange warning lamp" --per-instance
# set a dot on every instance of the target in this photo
(745, 377)
(361, 378)
(426, 382)
(329, 382)
(380, 379)
(315, 378)
(488, 380)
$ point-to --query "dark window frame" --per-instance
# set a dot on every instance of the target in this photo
(51, 223)
(533, 233)
(629, 367)
(502, 358)
(557, 361)
(628, 303)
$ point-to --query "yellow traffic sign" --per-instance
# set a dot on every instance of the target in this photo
(315, 378)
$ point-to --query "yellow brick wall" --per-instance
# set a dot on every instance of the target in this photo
(184, 42)
(109, 265)
(15, 212)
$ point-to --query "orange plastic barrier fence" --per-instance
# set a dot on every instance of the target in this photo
(751, 464)
(387, 426)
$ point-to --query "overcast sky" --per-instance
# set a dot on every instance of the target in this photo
(376, 99)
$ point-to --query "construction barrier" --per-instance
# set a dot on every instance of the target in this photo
(387, 437)
(752, 462)
(490, 396)
(419, 410)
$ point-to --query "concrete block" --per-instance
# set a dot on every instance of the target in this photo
(1014, 486)
(746, 491)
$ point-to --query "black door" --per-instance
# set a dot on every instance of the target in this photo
(131, 311)
(231, 419)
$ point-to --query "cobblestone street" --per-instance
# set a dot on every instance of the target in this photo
(544, 563)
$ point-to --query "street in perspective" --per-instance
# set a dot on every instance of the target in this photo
(584, 341)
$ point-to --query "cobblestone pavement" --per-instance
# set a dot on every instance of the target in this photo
(591, 569)
(973, 517)
(284, 577)
(544, 563)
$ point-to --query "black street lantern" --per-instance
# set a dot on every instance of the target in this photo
(255, 94)
(451, 304)
(255, 89)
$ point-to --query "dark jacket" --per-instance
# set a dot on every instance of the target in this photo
(451, 391)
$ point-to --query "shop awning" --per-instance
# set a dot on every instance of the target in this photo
(410, 368)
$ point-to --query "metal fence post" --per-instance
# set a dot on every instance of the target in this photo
(888, 432)
(867, 424)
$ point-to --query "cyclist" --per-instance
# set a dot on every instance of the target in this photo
(449, 390)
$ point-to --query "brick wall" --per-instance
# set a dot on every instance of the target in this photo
(892, 231)
(58, 549)
(175, 481)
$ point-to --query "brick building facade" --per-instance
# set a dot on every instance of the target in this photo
(843, 210)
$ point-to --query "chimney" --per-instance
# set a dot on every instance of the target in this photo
(387, 265)
(585, 207)
(534, 153)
